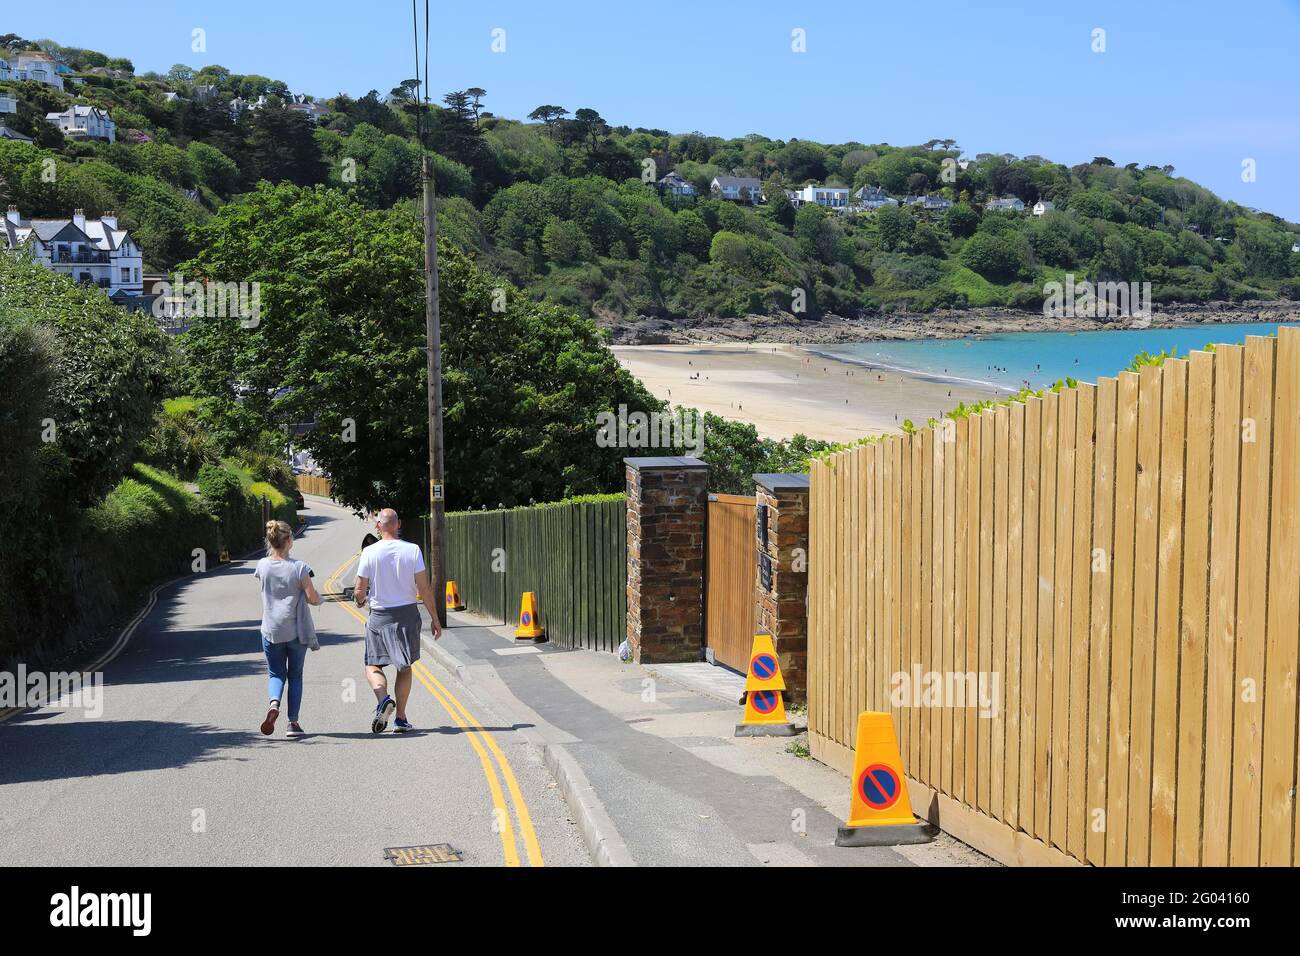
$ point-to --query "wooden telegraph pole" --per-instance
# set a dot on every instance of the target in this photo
(433, 349)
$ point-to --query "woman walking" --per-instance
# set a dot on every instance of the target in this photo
(287, 630)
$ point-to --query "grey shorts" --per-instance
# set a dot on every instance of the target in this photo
(393, 636)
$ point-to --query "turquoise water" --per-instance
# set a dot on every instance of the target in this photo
(1011, 359)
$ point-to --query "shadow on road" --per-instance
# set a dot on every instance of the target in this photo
(35, 750)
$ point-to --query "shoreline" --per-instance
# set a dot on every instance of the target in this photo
(784, 390)
(830, 329)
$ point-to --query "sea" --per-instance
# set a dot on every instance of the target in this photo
(1009, 360)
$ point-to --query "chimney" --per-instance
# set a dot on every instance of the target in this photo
(109, 219)
(79, 219)
(12, 215)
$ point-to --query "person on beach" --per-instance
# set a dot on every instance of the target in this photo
(392, 576)
(287, 630)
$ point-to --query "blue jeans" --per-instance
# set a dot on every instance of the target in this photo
(284, 665)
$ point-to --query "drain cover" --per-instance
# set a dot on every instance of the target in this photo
(421, 855)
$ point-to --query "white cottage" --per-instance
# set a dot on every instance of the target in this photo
(84, 122)
(92, 251)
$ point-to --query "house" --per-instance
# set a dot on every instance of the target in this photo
(240, 105)
(171, 96)
(1043, 206)
(84, 122)
(874, 197)
(1006, 204)
(1295, 247)
(92, 251)
(738, 188)
(7, 133)
(204, 92)
(313, 111)
(676, 185)
(794, 196)
(8, 104)
(34, 65)
(833, 197)
(936, 204)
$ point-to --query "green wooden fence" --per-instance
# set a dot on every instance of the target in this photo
(573, 555)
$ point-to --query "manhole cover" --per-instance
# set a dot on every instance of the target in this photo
(421, 855)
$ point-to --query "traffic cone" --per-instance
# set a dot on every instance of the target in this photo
(880, 813)
(453, 597)
(764, 704)
(530, 628)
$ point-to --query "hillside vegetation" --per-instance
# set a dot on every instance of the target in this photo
(559, 204)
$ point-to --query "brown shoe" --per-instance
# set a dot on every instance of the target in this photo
(268, 725)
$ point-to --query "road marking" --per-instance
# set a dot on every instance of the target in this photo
(521, 806)
(455, 709)
(507, 651)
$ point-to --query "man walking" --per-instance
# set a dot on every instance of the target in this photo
(392, 574)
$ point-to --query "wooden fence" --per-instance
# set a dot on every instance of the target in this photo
(574, 556)
(313, 485)
(1125, 557)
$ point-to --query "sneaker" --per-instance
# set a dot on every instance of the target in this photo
(382, 713)
(268, 725)
(295, 730)
(401, 726)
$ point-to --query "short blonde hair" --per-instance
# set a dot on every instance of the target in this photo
(278, 535)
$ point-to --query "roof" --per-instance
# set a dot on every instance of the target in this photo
(100, 236)
(782, 482)
(740, 182)
(7, 133)
(667, 463)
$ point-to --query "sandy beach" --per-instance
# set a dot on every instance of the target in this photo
(784, 390)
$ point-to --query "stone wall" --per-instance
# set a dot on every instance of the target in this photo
(782, 609)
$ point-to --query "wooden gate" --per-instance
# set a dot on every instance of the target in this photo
(729, 582)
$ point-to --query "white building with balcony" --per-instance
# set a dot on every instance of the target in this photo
(31, 65)
(8, 104)
(833, 197)
(95, 252)
(84, 122)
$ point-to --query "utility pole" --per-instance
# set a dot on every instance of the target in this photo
(433, 350)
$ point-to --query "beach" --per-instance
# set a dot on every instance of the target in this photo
(784, 390)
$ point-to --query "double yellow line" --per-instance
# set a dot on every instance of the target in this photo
(478, 737)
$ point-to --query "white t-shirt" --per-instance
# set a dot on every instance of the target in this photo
(391, 567)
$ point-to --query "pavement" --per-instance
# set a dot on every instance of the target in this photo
(525, 754)
(649, 758)
(175, 771)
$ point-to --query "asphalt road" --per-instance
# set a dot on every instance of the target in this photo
(175, 771)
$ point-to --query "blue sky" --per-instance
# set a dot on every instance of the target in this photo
(1198, 84)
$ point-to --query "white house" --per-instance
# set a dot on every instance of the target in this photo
(8, 104)
(93, 251)
(676, 185)
(34, 65)
(1006, 204)
(84, 122)
(738, 188)
(833, 197)
(1295, 247)
(1043, 206)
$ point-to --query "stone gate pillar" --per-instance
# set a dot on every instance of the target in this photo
(781, 588)
(667, 501)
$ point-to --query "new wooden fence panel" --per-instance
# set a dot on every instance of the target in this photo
(1059, 746)
(1169, 583)
(1015, 554)
(1252, 595)
(1102, 545)
(1080, 607)
(1195, 603)
(1048, 515)
(1029, 612)
(1125, 558)
(1279, 771)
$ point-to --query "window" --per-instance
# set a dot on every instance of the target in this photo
(126, 273)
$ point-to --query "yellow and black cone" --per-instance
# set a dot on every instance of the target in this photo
(454, 602)
(880, 812)
(764, 691)
(530, 625)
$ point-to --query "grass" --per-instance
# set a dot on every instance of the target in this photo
(799, 748)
